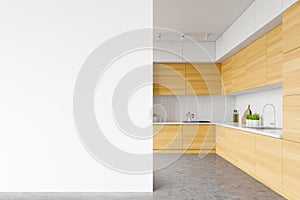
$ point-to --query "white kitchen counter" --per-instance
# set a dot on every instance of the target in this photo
(267, 132)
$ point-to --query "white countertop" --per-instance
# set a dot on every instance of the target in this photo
(277, 133)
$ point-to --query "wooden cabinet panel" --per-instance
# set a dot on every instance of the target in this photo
(169, 79)
(291, 119)
(269, 160)
(291, 73)
(202, 79)
(220, 142)
(238, 71)
(226, 74)
(256, 67)
(246, 151)
(167, 137)
(274, 55)
(291, 166)
(227, 145)
(231, 139)
(199, 137)
(291, 28)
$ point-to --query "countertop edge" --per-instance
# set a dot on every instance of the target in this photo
(277, 135)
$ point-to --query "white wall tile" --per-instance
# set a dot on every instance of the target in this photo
(214, 108)
(257, 101)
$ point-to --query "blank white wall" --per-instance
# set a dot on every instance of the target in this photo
(43, 45)
(258, 100)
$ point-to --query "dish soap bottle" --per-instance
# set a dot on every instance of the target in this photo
(235, 116)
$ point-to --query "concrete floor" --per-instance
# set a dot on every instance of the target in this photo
(190, 177)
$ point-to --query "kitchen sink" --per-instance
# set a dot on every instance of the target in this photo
(265, 128)
(196, 121)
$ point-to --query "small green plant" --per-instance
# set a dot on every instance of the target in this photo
(249, 116)
(255, 116)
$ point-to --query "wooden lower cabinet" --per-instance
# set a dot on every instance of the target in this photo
(192, 138)
(246, 151)
(261, 157)
(197, 137)
(269, 160)
(291, 169)
(167, 137)
(226, 144)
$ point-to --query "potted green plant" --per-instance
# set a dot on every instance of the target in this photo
(255, 119)
(249, 120)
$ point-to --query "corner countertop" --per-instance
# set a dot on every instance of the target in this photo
(276, 133)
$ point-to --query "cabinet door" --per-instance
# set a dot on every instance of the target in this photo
(291, 166)
(256, 67)
(231, 140)
(274, 55)
(238, 71)
(169, 79)
(199, 137)
(220, 141)
(246, 151)
(227, 145)
(269, 160)
(166, 137)
(291, 73)
(226, 74)
(202, 79)
(291, 28)
(291, 119)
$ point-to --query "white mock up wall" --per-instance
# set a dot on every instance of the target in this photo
(258, 100)
(43, 45)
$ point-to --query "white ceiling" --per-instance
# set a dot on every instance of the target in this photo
(197, 17)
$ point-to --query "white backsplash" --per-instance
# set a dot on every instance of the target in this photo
(216, 108)
(257, 101)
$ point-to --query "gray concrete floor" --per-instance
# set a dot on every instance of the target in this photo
(189, 178)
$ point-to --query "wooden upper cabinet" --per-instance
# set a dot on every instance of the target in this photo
(274, 55)
(269, 160)
(238, 70)
(169, 79)
(202, 79)
(197, 137)
(226, 73)
(291, 119)
(167, 137)
(291, 28)
(291, 166)
(291, 73)
(256, 67)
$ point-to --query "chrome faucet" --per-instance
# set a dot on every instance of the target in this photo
(189, 116)
(271, 123)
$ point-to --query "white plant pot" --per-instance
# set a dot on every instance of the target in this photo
(255, 122)
(248, 122)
